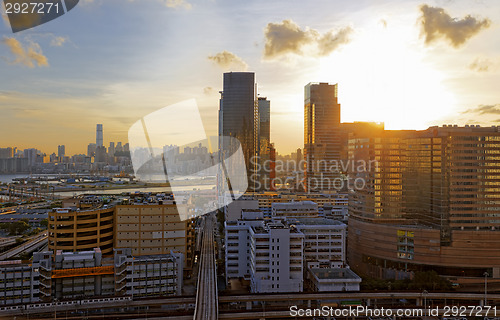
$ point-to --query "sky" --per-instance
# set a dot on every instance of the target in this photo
(409, 64)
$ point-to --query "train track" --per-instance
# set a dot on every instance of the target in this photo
(206, 294)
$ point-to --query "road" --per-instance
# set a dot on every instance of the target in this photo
(206, 294)
(31, 245)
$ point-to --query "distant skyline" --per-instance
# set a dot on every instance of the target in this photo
(409, 64)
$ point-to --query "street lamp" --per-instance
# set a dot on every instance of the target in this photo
(486, 275)
(424, 294)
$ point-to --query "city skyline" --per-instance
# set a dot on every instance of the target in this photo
(417, 64)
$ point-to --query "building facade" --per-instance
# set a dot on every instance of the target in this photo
(321, 137)
(431, 203)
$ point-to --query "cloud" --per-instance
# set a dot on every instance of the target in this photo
(177, 4)
(209, 90)
(30, 56)
(228, 60)
(481, 65)
(288, 38)
(58, 41)
(483, 109)
(438, 24)
(5, 19)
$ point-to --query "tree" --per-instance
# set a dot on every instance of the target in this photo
(18, 227)
(44, 223)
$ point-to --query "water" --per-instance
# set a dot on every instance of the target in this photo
(132, 190)
(7, 178)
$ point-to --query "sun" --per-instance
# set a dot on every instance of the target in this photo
(384, 77)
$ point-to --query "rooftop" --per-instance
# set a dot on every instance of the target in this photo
(314, 221)
(333, 273)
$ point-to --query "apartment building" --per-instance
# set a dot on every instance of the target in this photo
(237, 240)
(76, 275)
(295, 209)
(275, 253)
(276, 258)
(19, 283)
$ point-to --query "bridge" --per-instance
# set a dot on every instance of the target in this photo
(206, 293)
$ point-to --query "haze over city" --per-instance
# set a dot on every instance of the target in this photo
(408, 64)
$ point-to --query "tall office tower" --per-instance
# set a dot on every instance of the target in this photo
(264, 143)
(91, 148)
(61, 151)
(99, 138)
(322, 136)
(238, 111)
(434, 196)
(111, 149)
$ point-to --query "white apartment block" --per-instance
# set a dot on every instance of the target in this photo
(324, 241)
(274, 253)
(237, 240)
(276, 258)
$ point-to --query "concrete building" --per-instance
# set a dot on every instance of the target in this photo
(276, 258)
(19, 283)
(295, 209)
(147, 229)
(146, 276)
(61, 151)
(152, 229)
(87, 274)
(324, 241)
(71, 275)
(431, 203)
(83, 230)
(321, 136)
(99, 137)
(237, 117)
(333, 279)
(237, 242)
(232, 211)
(274, 253)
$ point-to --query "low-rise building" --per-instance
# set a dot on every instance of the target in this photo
(333, 279)
(19, 283)
(295, 209)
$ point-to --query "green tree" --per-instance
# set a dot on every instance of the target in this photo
(18, 227)
(44, 223)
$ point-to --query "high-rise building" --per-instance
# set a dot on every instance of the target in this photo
(6, 153)
(111, 149)
(430, 202)
(91, 148)
(61, 151)
(322, 136)
(265, 147)
(32, 156)
(99, 138)
(237, 116)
